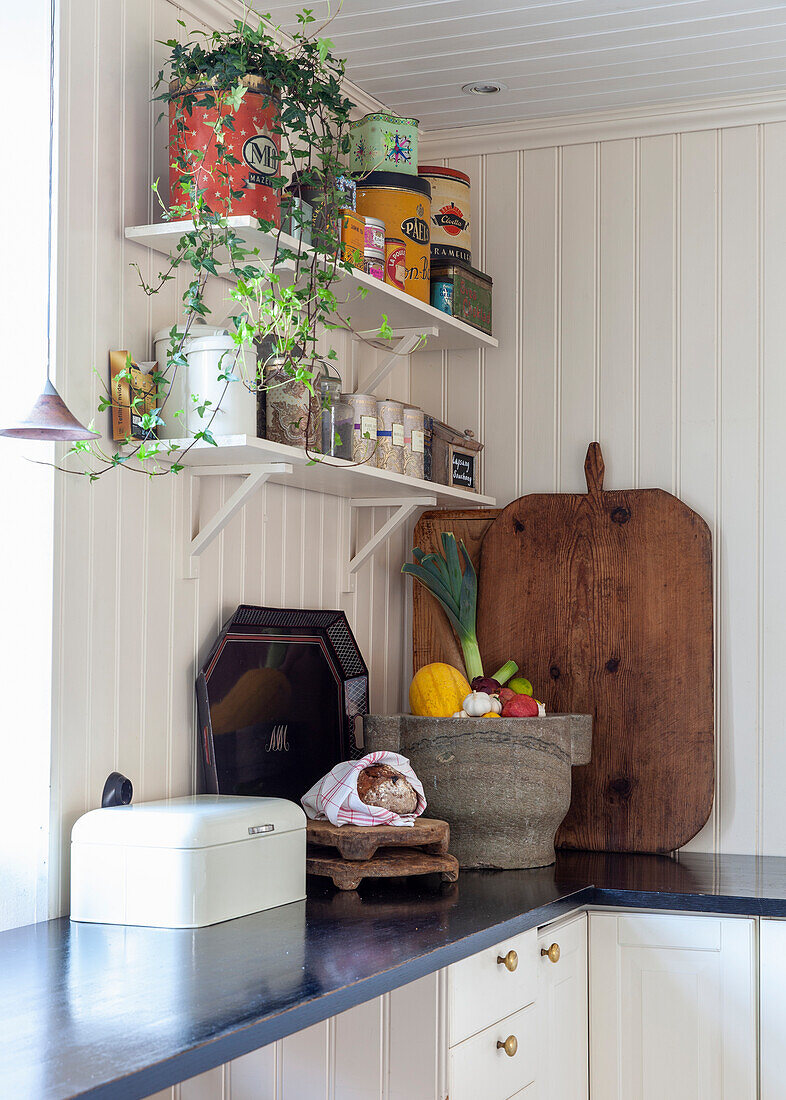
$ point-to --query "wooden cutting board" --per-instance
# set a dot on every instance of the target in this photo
(605, 602)
(432, 635)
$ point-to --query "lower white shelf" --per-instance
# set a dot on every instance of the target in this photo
(260, 460)
(331, 475)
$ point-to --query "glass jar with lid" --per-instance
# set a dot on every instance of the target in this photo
(338, 418)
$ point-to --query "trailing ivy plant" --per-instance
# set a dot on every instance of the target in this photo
(209, 73)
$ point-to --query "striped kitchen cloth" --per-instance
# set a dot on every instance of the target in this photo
(335, 797)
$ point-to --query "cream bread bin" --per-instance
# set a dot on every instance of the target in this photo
(187, 862)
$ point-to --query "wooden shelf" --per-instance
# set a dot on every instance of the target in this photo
(404, 313)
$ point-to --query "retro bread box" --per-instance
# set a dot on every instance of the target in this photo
(187, 862)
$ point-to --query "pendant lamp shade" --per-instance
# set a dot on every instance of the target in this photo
(49, 418)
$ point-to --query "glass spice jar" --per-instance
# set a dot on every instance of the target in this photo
(338, 418)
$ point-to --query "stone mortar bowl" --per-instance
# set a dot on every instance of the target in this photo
(502, 784)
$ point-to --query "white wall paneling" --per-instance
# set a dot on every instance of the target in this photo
(129, 631)
(638, 290)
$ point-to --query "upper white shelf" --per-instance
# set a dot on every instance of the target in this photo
(333, 476)
(364, 314)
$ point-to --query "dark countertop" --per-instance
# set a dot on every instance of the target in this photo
(112, 1011)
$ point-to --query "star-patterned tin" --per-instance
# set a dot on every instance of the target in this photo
(253, 143)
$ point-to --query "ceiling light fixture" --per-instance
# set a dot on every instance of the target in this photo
(484, 87)
(50, 417)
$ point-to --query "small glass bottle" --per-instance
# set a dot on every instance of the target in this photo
(338, 418)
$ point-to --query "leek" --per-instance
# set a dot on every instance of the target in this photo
(456, 593)
(507, 672)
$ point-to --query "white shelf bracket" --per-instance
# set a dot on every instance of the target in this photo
(404, 509)
(255, 478)
(408, 339)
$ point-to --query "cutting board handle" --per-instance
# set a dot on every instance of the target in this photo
(594, 469)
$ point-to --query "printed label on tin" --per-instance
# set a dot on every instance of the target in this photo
(261, 155)
(398, 435)
(451, 219)
(416, 228)
(368, 427)
(418, 442)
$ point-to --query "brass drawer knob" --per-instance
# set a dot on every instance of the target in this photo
(510, 1046)
(511, 960)
(552, 953)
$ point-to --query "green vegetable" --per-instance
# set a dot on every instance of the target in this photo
(510, 668)
(457, 593)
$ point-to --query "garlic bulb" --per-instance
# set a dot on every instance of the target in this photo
(477, 704)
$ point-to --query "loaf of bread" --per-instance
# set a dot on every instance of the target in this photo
(381, 785)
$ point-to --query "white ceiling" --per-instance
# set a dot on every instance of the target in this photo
(556, 56)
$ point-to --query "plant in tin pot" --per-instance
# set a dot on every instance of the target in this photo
(246, 111)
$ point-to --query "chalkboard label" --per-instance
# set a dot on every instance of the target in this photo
(463, 470)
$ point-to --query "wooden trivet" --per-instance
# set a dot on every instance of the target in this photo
(360, 842)
(387, 863)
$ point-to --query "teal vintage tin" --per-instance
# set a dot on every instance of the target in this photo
(442, 296)
(384, 142)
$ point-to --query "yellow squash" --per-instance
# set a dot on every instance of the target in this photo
(437, 691)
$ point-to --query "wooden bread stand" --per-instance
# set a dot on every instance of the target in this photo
(379, 851)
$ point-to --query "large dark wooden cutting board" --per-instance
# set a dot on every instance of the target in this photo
(605, 602)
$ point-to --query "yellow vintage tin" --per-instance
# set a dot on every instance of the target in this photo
(403, 203)
(353, 231)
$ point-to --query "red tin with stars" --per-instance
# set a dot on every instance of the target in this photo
(252, 139)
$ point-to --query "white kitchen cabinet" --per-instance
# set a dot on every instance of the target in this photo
(772, 1021)
(562, 1010)
(672, 1007)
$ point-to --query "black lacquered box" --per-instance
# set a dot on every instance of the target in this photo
(277, 700)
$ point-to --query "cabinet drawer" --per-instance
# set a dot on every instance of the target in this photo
(479, 1068)
(482, 990)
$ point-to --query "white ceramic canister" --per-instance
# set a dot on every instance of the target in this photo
(209, 359)
(364, 433)
(450, 205)
(390, 432)
(174, 427)
(414, 441)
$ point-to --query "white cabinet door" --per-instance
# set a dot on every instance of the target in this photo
(772, 977)
(563, 993)
(672, 1007)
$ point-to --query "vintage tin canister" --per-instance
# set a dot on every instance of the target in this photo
(375, 235)
(374, 265)
(352, 237)
(463, 292)
(384, 142)
(390, 435)
(292, 411)
(254, 142)
(395, 262)
(364, 435)
(414, 441)
(450, 206)
(403, 203)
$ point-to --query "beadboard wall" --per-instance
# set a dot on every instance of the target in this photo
(130, 631)
(639, 288)
(638, 297)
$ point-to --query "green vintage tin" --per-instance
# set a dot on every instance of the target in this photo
(464, 292)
